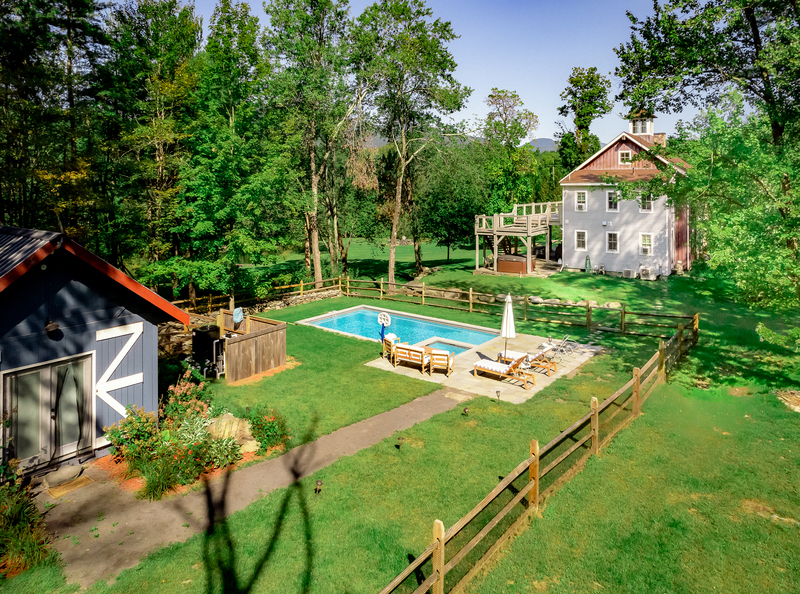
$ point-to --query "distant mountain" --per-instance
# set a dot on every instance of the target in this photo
(544, 144)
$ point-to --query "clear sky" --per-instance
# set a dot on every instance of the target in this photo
(529, 46)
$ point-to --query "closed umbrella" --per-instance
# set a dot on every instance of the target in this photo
(507, 329)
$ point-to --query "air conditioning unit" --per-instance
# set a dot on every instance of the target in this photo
(629, 273)
(648, 274)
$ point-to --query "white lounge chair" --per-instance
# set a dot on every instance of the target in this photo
(512, 370)
(541, 359)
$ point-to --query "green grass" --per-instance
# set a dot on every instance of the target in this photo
(330, 389)
(623, 523)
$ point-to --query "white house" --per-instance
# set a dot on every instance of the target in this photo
(644, 237)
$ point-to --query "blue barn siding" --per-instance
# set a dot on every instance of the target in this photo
(82, 301)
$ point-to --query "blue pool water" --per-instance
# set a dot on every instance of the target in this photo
(447, 347)
(364, 322)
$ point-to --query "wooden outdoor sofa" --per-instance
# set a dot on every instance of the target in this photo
(418, 355)
(512, 370)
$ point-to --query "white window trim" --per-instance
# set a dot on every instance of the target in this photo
(585, 241)
(642, 210)
(585, 201)
(641, 245)
(608, 251)
(630, 156)
(617, 195)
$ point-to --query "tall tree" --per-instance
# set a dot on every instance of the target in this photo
(690, 52)
(400, 40)
(585, 99)
(513, 164)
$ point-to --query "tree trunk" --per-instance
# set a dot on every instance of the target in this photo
(396, 218)
(307, 244)
(417, 255)
(312, 215)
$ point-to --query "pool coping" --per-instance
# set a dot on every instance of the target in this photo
(330, 314)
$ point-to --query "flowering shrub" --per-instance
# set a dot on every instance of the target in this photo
(184, 398)
(268, 427)
(188, 461)
(134, 437)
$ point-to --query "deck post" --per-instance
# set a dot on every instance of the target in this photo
(533, 477)
(529, 246)
(547, 245)
(494, 235)
(477, 247)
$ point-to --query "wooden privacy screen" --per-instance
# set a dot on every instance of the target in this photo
(260, 346)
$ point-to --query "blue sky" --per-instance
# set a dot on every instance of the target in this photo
(529, 47)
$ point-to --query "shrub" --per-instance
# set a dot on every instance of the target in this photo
(184, 398)
(136, 436)
(268, 427)
(193, 429)
(223, 452)
(188, 461)
(23, 540)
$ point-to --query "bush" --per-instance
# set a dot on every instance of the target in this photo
(268, 427)
(193, 429)
(223, 452)
(135, 437)
(23, 540)
(185, 398)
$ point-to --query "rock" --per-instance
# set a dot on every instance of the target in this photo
(486, 298)
(582, 302)
(535, 299)
(229, 426)
(433, 293)
(436, 269)
(613, 305)
(593, 304)
(569, 302)
(453, 293)
(65, 474)
(552, 301)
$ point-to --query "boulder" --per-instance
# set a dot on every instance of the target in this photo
(229, 426)
(486, 298)
(569, 302)
(552, 301)
(593, 304)
(535, 299)
(453, 293)
(582, 302)
(613, 305)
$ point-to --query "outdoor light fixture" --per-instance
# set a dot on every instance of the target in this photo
(318, 488)
(50, 325)
(498, 395)
(466, 411)
(400, 441)
(247, 410)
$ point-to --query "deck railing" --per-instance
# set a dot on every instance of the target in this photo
(523, 217)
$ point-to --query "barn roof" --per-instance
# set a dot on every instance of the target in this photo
(22, 249)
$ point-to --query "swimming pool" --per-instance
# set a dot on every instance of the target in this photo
(446, 346)
(362, 321)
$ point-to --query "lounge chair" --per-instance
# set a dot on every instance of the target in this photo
(541, 359)
(389, 342)
(563, 347)
(411, 354)
(512, 370)
(441, 360)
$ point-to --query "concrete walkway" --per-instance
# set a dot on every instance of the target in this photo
(100, 529)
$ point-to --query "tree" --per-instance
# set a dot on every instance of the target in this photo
(511, 167)
(398, 40)
(690, 52)
(586, 99)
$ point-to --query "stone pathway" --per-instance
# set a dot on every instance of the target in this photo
(101, 529)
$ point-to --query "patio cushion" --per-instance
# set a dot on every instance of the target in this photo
(439, 352)
(512, 355)
(492, 366)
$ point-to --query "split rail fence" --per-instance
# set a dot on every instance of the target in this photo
(458, 553)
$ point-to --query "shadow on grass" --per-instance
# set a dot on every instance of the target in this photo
(224, 574)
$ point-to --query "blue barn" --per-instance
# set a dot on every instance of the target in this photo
(78, 344)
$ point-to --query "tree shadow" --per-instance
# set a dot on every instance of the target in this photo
(224, 573)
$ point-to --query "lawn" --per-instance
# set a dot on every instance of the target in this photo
(376, 508)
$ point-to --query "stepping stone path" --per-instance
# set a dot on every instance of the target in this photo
(229, 426)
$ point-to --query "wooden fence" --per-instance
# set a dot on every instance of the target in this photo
(260, 346)
(547, 468)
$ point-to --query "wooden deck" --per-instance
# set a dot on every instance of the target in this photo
(525, 222)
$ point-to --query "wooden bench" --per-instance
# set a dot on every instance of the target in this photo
(411, 354)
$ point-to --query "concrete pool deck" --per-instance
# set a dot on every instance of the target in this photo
(510, 390)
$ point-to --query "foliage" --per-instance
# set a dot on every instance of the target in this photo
(586, 98)
(23, 539)
(193, 429)
(268, 427)
(135, 436)
(184, 398)
(571, 152)
(159, 475)
(222, 453)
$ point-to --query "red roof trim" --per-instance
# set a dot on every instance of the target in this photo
(126, 281)
(26, 265)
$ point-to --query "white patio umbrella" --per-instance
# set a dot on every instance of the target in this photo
(507, 329)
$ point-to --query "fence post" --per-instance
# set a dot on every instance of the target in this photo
(695, 328)
(662, 372)
(595, 427)
(525, 297)
(348, 285)
(340, 283)
(470, 300)
(622, 319)
(588, 317)
(381, 293)
(680, 341)
(637, 403)
(301, 288)
(423, 293)
(438, 556)
(533, 477)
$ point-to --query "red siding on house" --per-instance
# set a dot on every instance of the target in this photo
(682, 249)
(609, 159)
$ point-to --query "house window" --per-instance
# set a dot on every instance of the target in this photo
(612, 202)
(612, 242)
(580, 241)
(580, 201)
(640, 126)
(646, 203)
(645, 244)
(624, 157)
